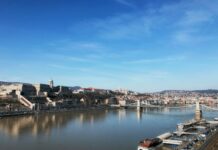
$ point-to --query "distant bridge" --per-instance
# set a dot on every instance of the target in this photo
(186, 106)
(155, 106)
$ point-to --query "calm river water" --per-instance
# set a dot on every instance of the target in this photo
(90, 129)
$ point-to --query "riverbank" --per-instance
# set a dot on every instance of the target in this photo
(15, 113)
(56, 110)
(22, 113)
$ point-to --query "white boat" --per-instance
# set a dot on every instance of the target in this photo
(215, 119)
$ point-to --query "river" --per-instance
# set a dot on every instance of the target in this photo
(113, 129)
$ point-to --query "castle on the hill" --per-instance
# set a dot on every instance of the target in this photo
(32, 94)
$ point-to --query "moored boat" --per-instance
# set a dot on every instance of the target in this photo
(215, 119)
(147, 144)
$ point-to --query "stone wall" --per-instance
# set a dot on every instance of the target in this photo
(25, 89)
(42, 88)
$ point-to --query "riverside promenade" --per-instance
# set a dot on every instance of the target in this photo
(15, 113)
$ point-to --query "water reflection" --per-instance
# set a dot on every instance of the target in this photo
(139, 113)
(89, 129)
(44, 123)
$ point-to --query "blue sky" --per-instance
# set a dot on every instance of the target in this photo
(142, 45)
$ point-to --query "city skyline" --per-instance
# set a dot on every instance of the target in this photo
(141, 45)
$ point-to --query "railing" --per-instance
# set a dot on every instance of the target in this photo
(158, 106)
(49, 100)
(25, 102)
(210, 108)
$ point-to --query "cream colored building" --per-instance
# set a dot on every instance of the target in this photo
(10, 89)
(31, 89)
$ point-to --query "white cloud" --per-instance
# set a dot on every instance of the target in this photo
(196, 17)
(121, 26)
(65, 67)
(149, 75)
(61, 57)
(86, 45)
(157, 60)
(142, 24)
(184, 36)
(125, 2)
(124, 27)
(74, 46)
(78, 59)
